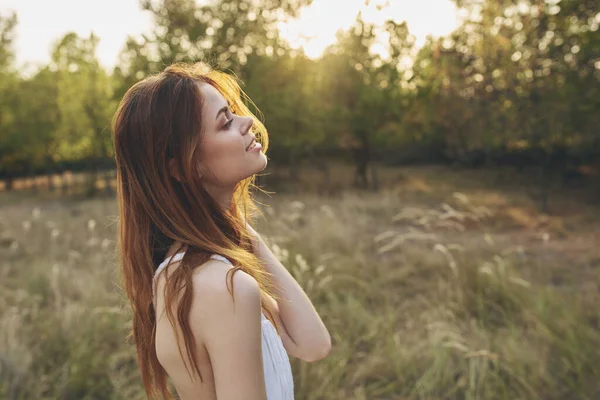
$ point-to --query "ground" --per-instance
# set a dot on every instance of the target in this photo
(445, 284)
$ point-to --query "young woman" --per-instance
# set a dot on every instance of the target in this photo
(213, 308)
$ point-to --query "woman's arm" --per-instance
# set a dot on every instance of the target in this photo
(309, 339)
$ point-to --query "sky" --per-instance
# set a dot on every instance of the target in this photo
(42, 22)
(324, 17)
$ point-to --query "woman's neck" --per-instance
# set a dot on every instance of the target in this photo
(176, 248)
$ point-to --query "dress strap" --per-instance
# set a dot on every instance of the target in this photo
(170, 260)
(177, 257)
(220, 258)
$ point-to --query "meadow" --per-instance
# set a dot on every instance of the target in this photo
(445, 284)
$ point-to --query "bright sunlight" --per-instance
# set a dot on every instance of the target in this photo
(317, 25)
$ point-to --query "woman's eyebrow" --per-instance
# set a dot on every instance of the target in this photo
(222, 110)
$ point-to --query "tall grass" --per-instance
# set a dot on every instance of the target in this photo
(421, 302)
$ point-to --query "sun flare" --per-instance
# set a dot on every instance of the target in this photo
(316, 27)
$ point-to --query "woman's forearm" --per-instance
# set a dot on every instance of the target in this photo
(301, 320)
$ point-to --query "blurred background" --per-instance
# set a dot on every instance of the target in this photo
(433, 175)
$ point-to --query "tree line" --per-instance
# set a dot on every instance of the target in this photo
(517, 83)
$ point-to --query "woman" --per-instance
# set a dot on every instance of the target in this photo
(213, 308)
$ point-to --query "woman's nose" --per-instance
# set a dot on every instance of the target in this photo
(248, 122)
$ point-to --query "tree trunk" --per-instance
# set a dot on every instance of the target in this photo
(64, 184)
(50, 182)
(544, 187)
(323, 166)
(361, 161)
(374, 178)
(90, 186)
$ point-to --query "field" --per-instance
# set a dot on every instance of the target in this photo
(445, 284)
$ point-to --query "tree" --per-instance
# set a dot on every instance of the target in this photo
(365, 91)
(12, 159)
(224, 33)
(85, 104)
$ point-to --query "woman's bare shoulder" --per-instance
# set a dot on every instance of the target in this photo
(213, 293)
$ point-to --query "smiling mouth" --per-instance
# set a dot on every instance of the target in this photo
(252, 145)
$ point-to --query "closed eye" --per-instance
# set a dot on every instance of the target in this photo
(230, 121)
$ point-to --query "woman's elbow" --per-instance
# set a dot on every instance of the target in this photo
(318, 352)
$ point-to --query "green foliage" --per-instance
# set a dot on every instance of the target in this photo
(516, 84)
(84, 99)
(7, 26)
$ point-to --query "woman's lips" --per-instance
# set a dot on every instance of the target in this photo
(255, 146)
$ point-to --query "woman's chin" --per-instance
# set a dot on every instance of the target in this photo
(265, 164)
(258, 165)
(262, 163)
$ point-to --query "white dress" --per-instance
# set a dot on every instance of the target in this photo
(278, 371)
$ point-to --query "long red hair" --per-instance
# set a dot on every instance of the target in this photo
(159, 119)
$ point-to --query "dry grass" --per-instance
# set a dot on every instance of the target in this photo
(432, 289)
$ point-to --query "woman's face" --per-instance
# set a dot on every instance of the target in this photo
(225, 143)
